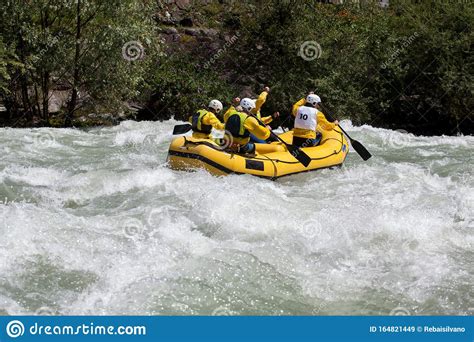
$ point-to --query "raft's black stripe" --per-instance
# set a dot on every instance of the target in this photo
(203, 159)
(320, 158)
(320, 168)
(267, 158)
(228, 171)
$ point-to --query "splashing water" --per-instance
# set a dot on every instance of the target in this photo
(93, 222)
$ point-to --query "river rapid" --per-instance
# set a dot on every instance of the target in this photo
(93, 222)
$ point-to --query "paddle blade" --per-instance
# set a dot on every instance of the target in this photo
(302, 157)
(360, 149)
(181, 129)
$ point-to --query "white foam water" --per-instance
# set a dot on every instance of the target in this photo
(93, 222)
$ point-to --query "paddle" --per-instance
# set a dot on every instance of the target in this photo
(360, 149)
(181, 129)
(302, 157)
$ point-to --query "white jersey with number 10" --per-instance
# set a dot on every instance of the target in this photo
(306, 118)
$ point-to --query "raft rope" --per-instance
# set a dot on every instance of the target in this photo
(186, 142)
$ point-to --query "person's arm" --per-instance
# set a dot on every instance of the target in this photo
(256, 129)
(297, 105)
(267, 119)
(260, 101)
(212, 120)
(324, 123)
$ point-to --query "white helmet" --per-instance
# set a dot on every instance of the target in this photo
(313, 99)
(247, 104)
(216, 105)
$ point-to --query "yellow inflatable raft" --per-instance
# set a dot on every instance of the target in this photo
(269, 161)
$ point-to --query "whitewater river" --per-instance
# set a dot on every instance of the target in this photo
(93, 222)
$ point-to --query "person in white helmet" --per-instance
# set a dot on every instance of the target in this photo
(205, 119)
(307, 118)
(241, 124)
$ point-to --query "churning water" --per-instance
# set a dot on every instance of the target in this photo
(93, 222)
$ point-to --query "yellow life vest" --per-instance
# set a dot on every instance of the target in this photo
(196, 122)
(235, 124)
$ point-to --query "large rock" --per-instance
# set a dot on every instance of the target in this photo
(58, 99)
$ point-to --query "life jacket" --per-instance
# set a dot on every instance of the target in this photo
(306, 118)
(235, 125)
(197, 124)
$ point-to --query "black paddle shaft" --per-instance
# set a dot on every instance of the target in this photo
(296, 152)
(358, 147)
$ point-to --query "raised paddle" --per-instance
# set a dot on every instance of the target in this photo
(181, 129)
(360, 149)
(296, 152)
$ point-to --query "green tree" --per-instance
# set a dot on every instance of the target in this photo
(77, 44)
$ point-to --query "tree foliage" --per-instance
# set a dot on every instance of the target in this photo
(75, 45)
(406, 66)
